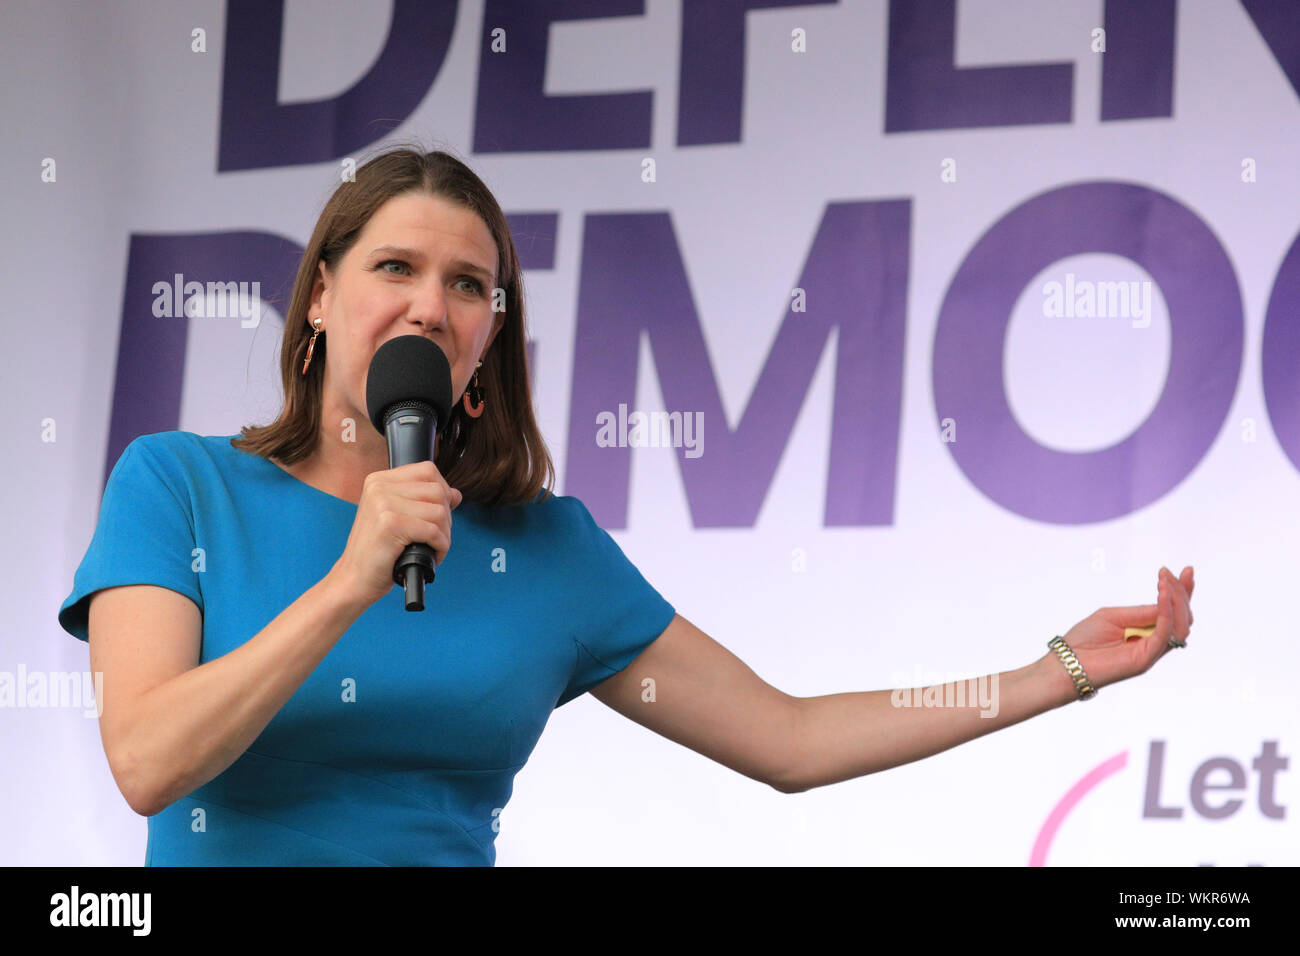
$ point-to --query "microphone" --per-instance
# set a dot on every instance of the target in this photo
(408, 398)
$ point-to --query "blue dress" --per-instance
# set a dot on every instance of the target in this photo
(401, 747)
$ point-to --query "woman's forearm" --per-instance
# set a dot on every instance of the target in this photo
(189, 729)
(842, 736)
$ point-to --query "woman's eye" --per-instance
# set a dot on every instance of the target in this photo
(398, 262)
(478, 287)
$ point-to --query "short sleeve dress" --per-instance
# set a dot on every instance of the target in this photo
(401, 747)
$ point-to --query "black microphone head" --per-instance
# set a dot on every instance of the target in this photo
(406, 369)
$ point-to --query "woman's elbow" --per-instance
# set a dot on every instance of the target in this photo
(133, 781)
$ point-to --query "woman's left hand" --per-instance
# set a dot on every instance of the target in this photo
(1099, 643)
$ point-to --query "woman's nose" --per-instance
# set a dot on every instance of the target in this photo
(427, 322)
(429, 311)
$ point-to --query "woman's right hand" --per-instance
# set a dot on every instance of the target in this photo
(412, 503)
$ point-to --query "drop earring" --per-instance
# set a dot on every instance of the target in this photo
(473, 397)
(311, 346)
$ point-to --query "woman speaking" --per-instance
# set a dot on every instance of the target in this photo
(268, 699)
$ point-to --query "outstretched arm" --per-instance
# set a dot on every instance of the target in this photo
(705, 698)
(843, 736)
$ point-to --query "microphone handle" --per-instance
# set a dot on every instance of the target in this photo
(414, 567)
(410, 428)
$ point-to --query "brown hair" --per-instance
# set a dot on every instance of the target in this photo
(496, 459)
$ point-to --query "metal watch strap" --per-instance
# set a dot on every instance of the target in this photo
(1073, 667)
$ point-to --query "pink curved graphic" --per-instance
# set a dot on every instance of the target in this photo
(1038, 857)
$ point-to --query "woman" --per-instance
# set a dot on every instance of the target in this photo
(268, 700)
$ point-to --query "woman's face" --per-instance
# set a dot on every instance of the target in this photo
(422, 265)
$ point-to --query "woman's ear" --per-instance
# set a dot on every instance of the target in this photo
(319, 290)
(497, 324)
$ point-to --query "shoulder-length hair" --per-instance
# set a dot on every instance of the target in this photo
(496, 459)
